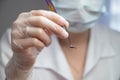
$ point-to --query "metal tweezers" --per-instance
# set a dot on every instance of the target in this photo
(52, 8)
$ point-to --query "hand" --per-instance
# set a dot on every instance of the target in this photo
(32, 31)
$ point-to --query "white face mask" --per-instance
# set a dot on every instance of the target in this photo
(81, 14)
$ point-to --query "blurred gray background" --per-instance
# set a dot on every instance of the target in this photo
(10, 9)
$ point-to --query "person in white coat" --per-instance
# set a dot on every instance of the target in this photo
(36, 48)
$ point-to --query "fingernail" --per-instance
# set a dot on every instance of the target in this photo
(65, 33)
(67, 24)
(62, 21)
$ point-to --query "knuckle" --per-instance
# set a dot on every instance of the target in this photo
(53, 14)
(49, 42)
(41, 18)
(32, 11)
(37, 12)
(42, 12)
(40, 31)
(34, 41)
(14, 24)
(17, 23)
(37, 43)
(42, 46)
(22, 14)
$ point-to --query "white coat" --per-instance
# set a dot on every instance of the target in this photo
(102, 63)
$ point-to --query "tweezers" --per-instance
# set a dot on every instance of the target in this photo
(52, 8)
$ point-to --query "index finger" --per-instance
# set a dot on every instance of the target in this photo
(45, 23)
(52, 16)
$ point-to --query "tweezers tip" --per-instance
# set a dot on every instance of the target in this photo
(72, 46)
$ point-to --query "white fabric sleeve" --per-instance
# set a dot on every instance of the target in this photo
(5, 57)
(5, 52)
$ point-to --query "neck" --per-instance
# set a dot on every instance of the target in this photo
(76, 57)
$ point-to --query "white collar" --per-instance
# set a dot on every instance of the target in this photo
(99, 47)
(53, 58)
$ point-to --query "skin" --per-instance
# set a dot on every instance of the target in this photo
(42, 25)
(76, 57)
(27, 42)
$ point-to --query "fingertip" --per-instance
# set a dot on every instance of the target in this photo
(67, 24)
(65, 35)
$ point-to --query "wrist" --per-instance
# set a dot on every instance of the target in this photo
(23, 63)
(16, 71)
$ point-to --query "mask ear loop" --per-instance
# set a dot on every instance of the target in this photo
(52, 8)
